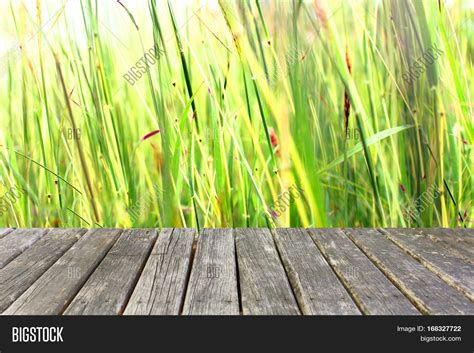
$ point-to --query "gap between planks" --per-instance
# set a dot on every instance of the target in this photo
(444, 261)
(409, 275)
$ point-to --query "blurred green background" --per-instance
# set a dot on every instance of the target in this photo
(254, 113)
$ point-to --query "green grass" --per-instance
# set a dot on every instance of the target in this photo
(248, 100)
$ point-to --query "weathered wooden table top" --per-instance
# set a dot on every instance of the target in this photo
(236, 271)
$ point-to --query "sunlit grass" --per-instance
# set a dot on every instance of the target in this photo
(246, 101)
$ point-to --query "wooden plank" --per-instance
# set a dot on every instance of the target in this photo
(5, 231)
(453, 238)
(445, 232)
(465, 231)
(212, 288)
(373, 292)
(316, 286)
(264, 286)
(462, 232)
(424, 288)
(107, 290)
(161, 287)
(14, 243)
(54, 290)
(446, 264)
(26, 268)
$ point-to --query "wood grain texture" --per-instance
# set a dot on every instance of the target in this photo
(283, 271)
(161, 287)
(5, 231)
(465, 231)
(53, 291)
(212, 287)
(424, 288)
(468, 233)
(14, 243)
(264, 285)
(374, 292)
(109, 287)
(456, 239)
(439, 259)
(26, 268)
(316, 286)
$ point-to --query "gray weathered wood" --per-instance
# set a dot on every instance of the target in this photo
(264, 285)
(374, 293)
(453, 238)
(424, 288)
(52, 292)
(161, 287)
(316, 286)
(212, 287)
(447, 232)
(27, 267)
(5, 231)
(446, 264)
(107, 290)
(48, 271)
(14, 243)
(465, 231)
